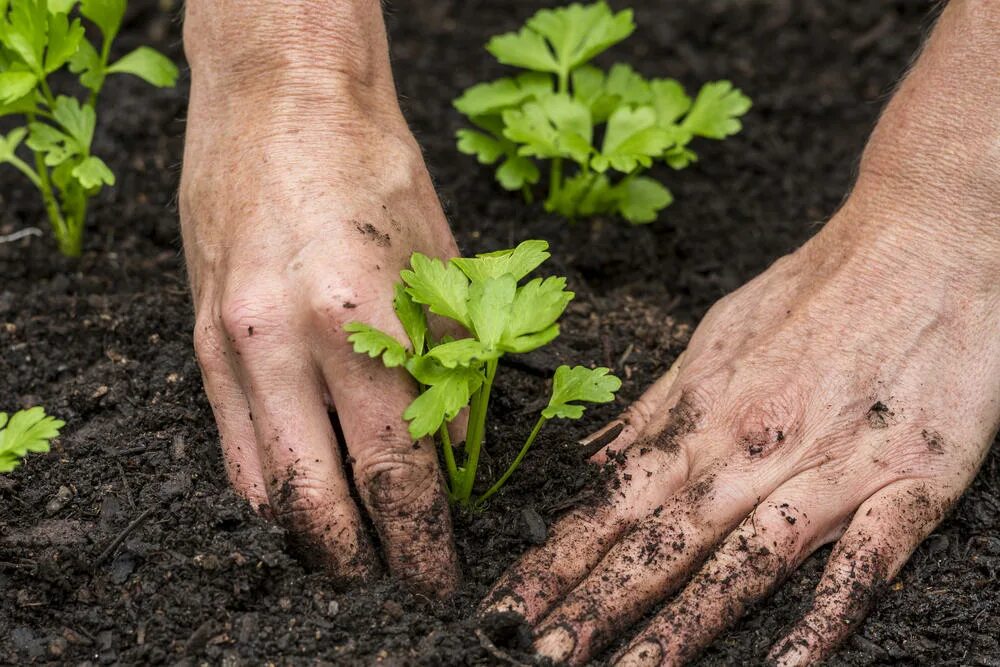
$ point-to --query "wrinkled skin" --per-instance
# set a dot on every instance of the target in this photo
(848, 394)
(292, 230)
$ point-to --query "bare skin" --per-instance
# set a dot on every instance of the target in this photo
(295, 223)
(849, 394)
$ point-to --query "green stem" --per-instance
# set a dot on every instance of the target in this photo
(23, 167)
(526, 191)
(56, 219)
(513, 466)
(477, 429)
(449, 457)
(555, 172)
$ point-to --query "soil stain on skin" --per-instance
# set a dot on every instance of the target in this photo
(879, 415)
(683, 421)
(370, 232)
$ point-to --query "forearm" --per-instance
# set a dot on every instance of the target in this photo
(934, 157)
(326, 48)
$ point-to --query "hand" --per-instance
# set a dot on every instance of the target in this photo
(844, 395)
(303, 195)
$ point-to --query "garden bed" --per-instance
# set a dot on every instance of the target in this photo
(104, 343)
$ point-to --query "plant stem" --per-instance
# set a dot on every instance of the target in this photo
(555, 173)
(56, 219)
(474, 439)
(449, 457)
(23, 167)
(513, 466)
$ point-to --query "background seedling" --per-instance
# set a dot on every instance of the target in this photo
(26, 431)
(37, 39)
(613, 126)
(484, 295)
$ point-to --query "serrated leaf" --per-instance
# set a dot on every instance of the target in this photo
(25, 30)
(369, 340)
(577, 33)
(632, 139)
(23, 105)
(517, 262)
(93, 173)
(64, 40)
(86, 63)
(149, 65)
(15, 86)
(106, 14)
(441, 401)
(61, 6)
(641, 199)
(669, 100)
(716, 111)
(679, 156)
(579, 384)
(9, 143)
(490, 300)
(411, 315)
(26, 431)
(443, 288)
(486, 149)
(78, 121)
(53, 143)
(530, 342)
(517, 171)
(463, 352)
(554, 126)
(495, 96)
(524, 48)
(537, 305)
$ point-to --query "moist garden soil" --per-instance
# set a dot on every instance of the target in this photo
(104, 342)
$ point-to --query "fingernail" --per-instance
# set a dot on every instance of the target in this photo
(556, 644)
(508, 604)
(595, 442)
(645, 654)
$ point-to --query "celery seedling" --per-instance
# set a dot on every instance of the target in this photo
(606, 123)
(37, 39)
(484, 295)
(26, 431)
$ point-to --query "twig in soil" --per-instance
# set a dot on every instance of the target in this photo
(497, 653)
(20, 234)
(125, 484)
(625, 355)
(129, 529)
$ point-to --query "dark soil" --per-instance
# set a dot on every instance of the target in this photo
(105, 344)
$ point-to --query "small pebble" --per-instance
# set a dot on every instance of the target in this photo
(534, 525)
(59, 501)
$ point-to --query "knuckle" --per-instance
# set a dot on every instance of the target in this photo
(331, 307)
(246, 313)
(208, 349)
(396, 484)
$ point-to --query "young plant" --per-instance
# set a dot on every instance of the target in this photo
(483, 295)
(26, 431)
(612, 126)
(37, 39)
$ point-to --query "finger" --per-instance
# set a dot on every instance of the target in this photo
(751, 562)
(578, 541)
(398, 479)
(303, 472)
(649, 564)
(630, 426)
(879, 540)
(232, 416)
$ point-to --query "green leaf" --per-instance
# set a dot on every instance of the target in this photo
(25, 30)
(517, 262)
(64, 41)
(54, 144)
(582, 195)
(716, 111)
(669, 100)
(26, 431)
(93, 173)
(441, 287)
(9, 144)
(61, 6)
(537, 305)
(23, 105)
(106, 14)
(530, 342)
(15, 86)
(641, 199)
(463, 352)
(496, 96)
(369, 340)
(555, 126)
(574, 35)
(490, 300)
(149, 65)
(679, 156)
(78, 121)
(486, 149)
(579, 384)
(515, 172)
(86, 62)
(632, 139)
(442, 400)
(411, 315)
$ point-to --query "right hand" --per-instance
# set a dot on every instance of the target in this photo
(301, 199)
